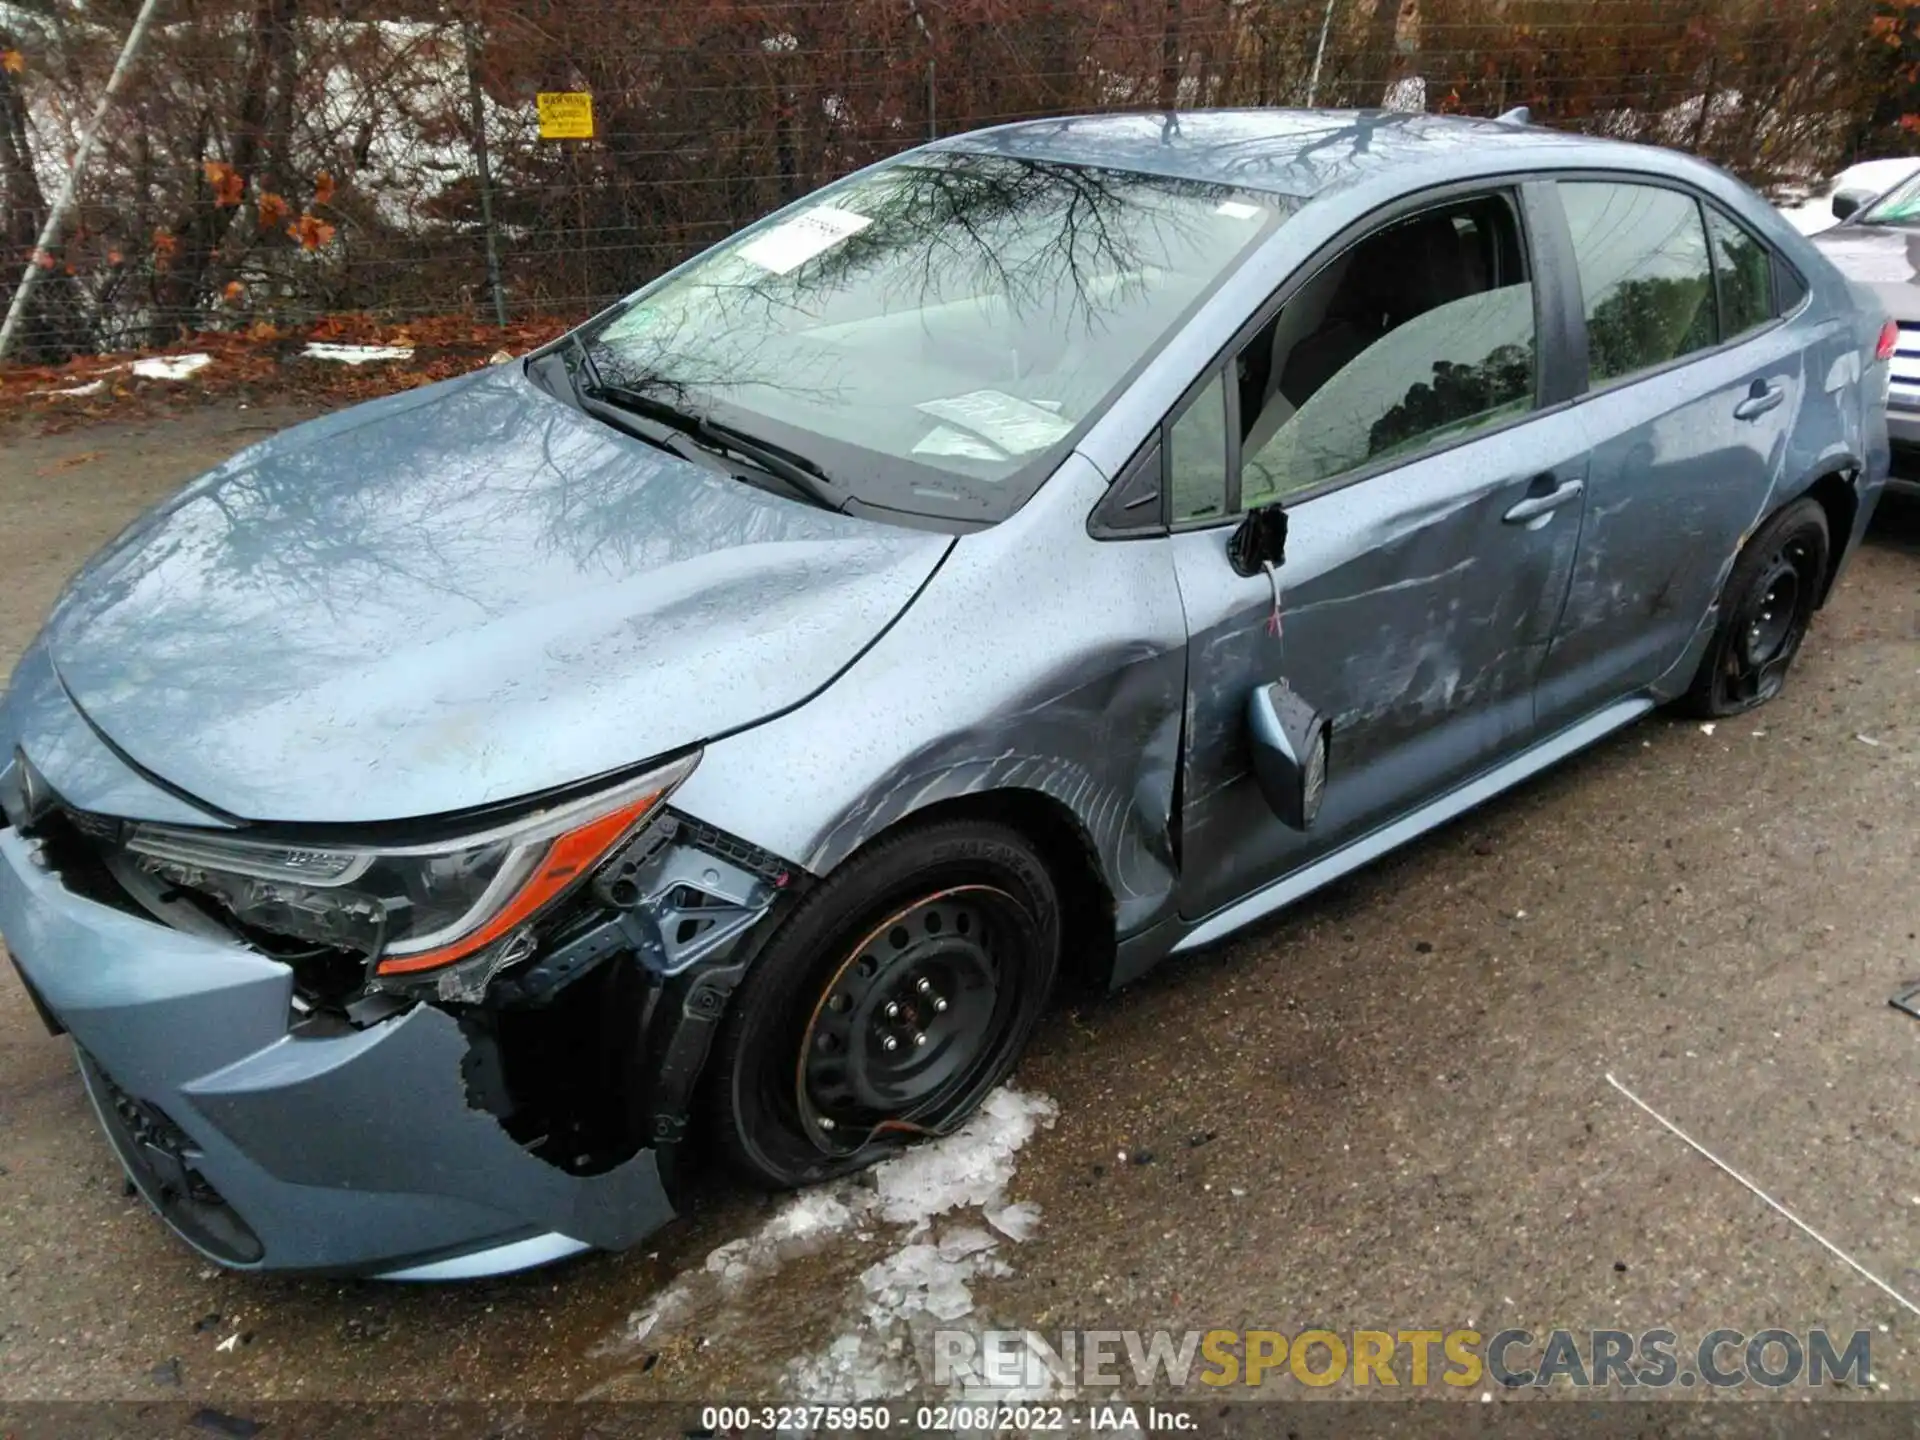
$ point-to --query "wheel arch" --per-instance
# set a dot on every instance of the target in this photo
(1836, 489)
(1050, 825)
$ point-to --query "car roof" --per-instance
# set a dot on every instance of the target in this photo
(1303, 153)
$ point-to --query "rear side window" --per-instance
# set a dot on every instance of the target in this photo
(1791, 284)
(1645, 276)
(1743, 269)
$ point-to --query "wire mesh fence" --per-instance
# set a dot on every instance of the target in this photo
(272, 161)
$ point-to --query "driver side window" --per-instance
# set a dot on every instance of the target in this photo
(1412, 337)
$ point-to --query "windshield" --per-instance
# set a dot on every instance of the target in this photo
(932, 335)
(1899, 206)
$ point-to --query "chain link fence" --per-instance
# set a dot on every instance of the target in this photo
(269, 162)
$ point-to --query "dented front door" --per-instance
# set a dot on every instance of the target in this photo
(1415, 611)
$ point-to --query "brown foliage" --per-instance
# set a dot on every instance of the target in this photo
(265, 362)
(350, 126)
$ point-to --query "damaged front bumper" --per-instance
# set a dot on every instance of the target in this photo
(269, 1144)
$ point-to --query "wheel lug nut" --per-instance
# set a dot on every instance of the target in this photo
(925, 987)
(919, 1037)
(890, 1043)
(892, 1011)
(825, 1123)
(939, 1005)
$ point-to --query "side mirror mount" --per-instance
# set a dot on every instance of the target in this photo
(1848, 203)
(1259, 540)
(1290, 744)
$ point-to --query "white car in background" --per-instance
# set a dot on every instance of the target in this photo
(1875, 242)
(1863, 182)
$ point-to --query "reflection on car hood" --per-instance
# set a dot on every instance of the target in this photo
(1886, 258)
(458, 596)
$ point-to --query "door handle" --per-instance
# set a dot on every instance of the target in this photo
(1535, 506)
(1759, 401)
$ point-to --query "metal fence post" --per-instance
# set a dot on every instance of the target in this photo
(1319, 53)
(933, 92)
(483, 167)
(57, 216)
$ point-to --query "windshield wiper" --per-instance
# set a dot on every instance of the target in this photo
(796, 470)
(588, 365)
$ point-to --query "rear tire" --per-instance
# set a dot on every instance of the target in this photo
(943, 940)
(1765, 609)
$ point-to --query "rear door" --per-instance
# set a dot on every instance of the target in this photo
(1403, 405)
(1691, 397)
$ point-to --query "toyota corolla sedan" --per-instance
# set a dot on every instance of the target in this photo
(1028, 559)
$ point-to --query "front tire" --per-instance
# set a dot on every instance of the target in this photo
(1765, 609)
(887, 1006)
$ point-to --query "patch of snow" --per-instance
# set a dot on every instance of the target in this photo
(926, 1285)
(1814, 213)
(92, 387)
(171, 367)
(921, 1287)
(899, 1300)
(356, 354)
(1409, 93)
(970, 1167)
(1016, 1222)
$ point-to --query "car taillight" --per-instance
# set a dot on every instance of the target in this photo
(1889, 341)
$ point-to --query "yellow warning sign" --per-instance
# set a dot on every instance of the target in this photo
(566, 115)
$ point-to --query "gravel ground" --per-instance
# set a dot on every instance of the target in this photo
(1387, 1110)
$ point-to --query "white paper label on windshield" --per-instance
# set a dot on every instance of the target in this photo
(1017, 426)
(945, 440)
(1238, 209)
(791, 243)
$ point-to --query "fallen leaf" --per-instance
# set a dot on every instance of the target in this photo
(71, 462)
(12, 61)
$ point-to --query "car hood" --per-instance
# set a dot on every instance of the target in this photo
(1885, 258)
(459, 596)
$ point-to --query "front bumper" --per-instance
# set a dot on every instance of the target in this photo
(353, 1152)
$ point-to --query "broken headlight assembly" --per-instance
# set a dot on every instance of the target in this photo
(418, 907)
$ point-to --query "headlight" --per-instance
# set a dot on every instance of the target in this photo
(415, 907)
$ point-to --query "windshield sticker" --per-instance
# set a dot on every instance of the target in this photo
(1017, 426)
(791, 243)
(1238, 209)
(945, 440)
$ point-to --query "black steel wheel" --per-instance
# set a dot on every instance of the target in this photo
(1766, 607)
(893, 999)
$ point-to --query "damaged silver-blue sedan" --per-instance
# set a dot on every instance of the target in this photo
(1045, 552)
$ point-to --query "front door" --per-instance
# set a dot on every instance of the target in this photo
(1393, 405)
